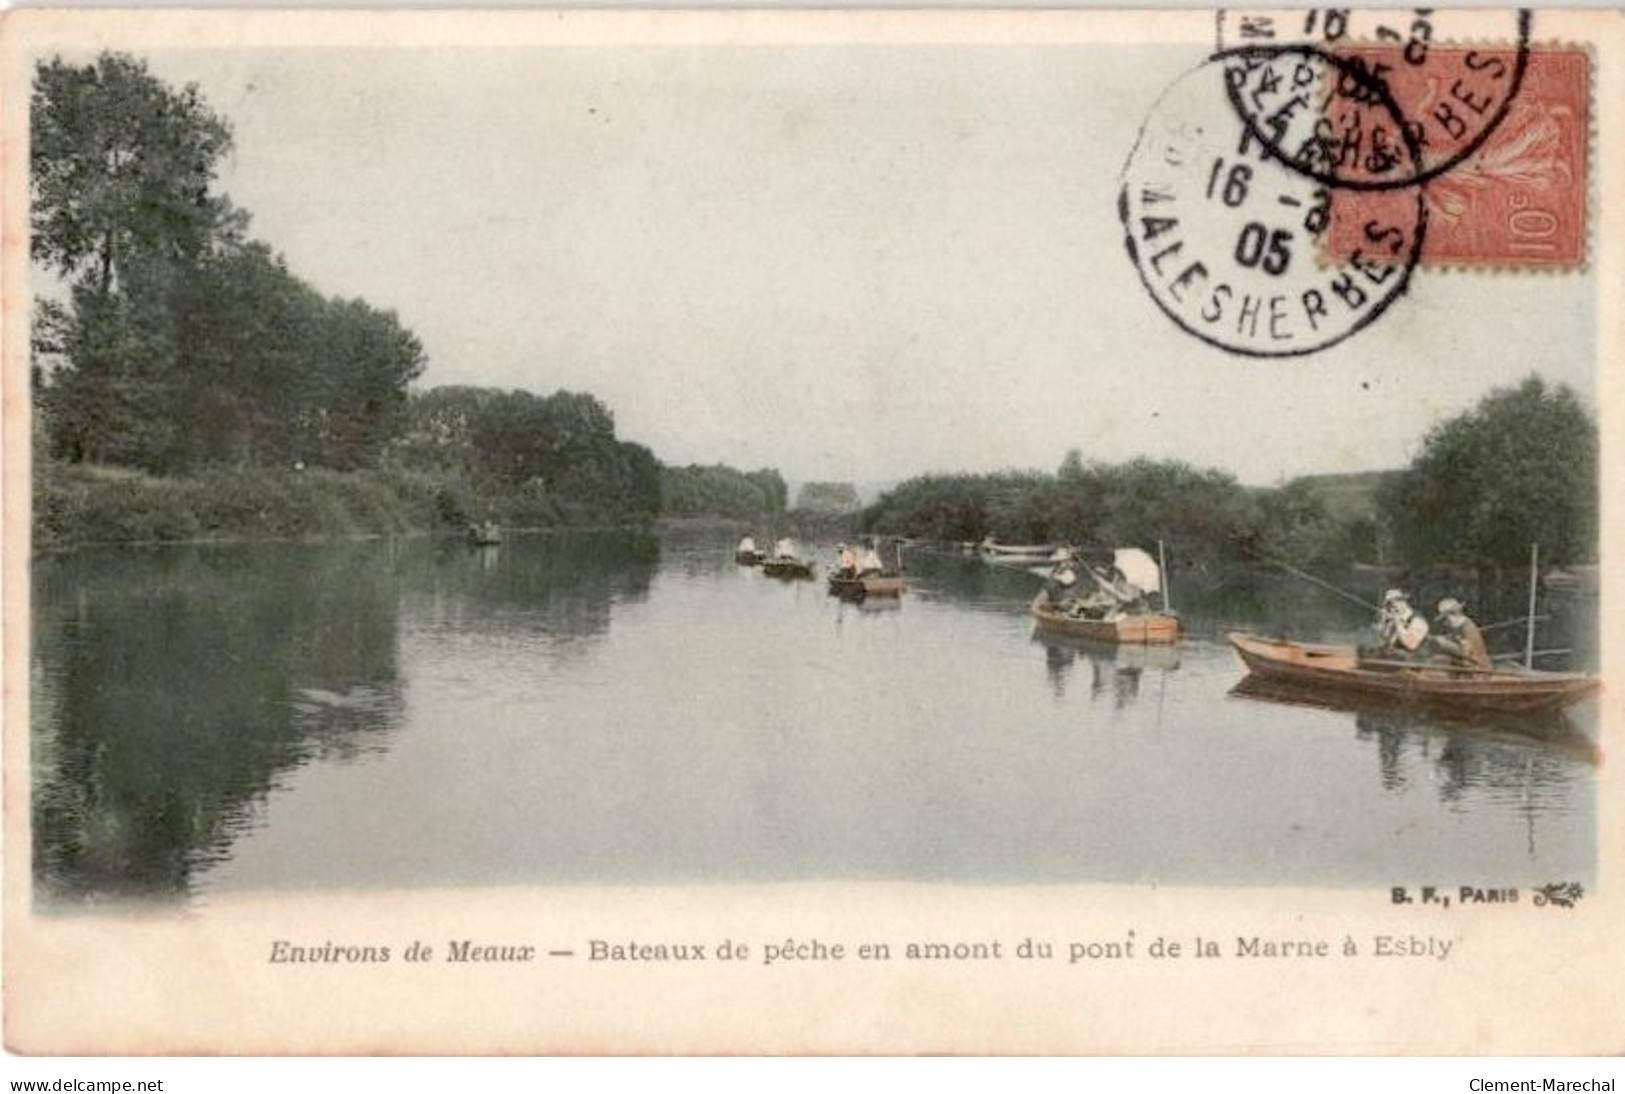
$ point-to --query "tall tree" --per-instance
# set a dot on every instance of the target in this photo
(120, 168)
(1519, 468)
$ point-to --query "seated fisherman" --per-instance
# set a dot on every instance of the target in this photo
(870, 563)
(747, 546)
(784, 549)
(1460, 640)
(1063, 579)
(848, 564)
(1402, 629)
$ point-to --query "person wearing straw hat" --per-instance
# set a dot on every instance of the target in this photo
(1063, 578)
(1460, 640)
(1403, 629)
(848, 564)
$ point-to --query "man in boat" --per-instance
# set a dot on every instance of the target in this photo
(870, 562)
(1403, 630)
(848, 560)
(1063, 578)
(1115, 595)
(1461, 640)
(784, 550)
(747, 546)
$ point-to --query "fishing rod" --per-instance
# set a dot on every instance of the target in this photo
(1518, 622)
(1312, 579)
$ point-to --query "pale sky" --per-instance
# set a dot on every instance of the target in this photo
(849, 263)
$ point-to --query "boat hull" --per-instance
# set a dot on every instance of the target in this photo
(787, 568)
(1147, 629)
(749, 558)
(1337, 670)
(859, 587)
(1018, 550)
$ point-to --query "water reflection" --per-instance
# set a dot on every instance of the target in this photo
(1114, 668)
(1503, 755)
(592, 708)
(173, 687)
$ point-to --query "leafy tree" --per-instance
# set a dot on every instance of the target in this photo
(120, 168)
(828, 497)
(773, 487)
(1519, 468)
(714, 491)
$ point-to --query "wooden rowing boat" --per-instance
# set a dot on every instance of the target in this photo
(1341, 670)
(1139, 628)
(787, 567)
(871, 585)
(1018, 550)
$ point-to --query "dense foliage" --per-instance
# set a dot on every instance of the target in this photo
(720, 491)
(1519, 468)
(1205, 515)
(176, 349)
(828, 497)
(181, 343)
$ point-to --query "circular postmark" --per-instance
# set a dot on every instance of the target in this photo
(1339, 131)
(1226, 236)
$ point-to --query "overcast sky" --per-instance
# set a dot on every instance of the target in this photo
(850, 263)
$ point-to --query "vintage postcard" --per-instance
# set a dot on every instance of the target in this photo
(814, 532)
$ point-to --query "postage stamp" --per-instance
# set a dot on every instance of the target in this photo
(1341, 131)
(1222, 225)
(1520, 199)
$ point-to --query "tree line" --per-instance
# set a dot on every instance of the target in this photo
(180, 342)
(175, 344)
(1519, 467)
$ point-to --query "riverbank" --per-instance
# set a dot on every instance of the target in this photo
(80, 505)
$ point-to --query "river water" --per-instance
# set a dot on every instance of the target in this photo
(621, 708)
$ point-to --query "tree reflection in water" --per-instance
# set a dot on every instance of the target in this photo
(174, 688)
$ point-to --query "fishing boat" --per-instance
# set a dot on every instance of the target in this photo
(787, 567)
(1341, 670)
(1011, 550)
(856, 588)
(1585, 579)
(1138, 628)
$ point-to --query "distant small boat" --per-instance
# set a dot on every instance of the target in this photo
(750, 558)
(1573, 579)
(1028, 550)
(868, 585)
(484, 535)
(1137, 628)
(787, 567)
(1341, 669)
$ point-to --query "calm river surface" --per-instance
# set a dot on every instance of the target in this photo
(617, 708)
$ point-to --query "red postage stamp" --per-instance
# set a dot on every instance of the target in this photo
(1519, 199)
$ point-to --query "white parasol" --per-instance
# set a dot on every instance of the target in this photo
(1139, 567)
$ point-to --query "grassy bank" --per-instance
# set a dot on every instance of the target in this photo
(80, 504)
